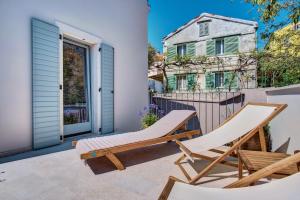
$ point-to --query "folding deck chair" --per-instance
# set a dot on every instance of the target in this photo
(286, 188)
(162, 131)
(237, 129)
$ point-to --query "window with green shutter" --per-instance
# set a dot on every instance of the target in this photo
(231, 45)
(171, 53)
(230, 80)
(171, 83)
(191, 49)
(210, 48)
(209, 80)
(191, 82)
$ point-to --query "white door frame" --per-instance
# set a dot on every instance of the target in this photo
(94, 42)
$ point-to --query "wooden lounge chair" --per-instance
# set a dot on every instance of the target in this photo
(237, 129)
(162, 131)
(286, 188)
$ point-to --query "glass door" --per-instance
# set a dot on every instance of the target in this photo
(76, 88)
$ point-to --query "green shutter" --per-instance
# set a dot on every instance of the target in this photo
(209, 80)
(171, 83)
(191, 49)
(171, 53)
(231, 81)
(191, 82)
(231, 45)
(210, 48)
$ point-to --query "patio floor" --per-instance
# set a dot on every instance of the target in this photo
(62, 175)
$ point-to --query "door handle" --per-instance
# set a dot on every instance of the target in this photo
(112, 91)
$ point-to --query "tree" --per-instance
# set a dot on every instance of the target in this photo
(279, 63)
(202, 63)
(280, 69)
(151, 55)
(270, 10)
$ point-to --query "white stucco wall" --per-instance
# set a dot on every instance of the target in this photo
(217, 28)
(287, 124)
(123, 24)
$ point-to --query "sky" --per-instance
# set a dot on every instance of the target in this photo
(167, 15)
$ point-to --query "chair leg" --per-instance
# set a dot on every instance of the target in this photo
(240, 166)
(180, 159)
(168, 187)
(262, 139)
(185, 173)
(115, 160)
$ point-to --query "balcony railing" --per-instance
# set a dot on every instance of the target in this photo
(212, 107)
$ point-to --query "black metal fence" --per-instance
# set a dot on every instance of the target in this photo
(212, 107)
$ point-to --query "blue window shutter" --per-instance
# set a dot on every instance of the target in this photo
(45, 84)
(107, 92)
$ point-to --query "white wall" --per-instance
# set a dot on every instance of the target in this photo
(287, 124)
(217, 28)
(123, 24)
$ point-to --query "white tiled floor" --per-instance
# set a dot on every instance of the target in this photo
(63, 175)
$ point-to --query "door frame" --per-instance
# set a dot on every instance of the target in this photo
(86, 126)
(94, 42)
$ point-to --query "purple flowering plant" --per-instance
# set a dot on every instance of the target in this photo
(149, 115)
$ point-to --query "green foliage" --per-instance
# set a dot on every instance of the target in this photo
(151, 55)
(148, 120)
(191, 82)
(268, 137)
(70, 119)
(74, 75)
(270, 13)
(278, 70)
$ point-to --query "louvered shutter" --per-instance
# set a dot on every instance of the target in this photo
(171, 83)
(45, 84)
(209, 80)
(107, 91)
(171, 53)
(231, 45)
(191, 82)
(191, 49)
(230, 80)
(210, 48)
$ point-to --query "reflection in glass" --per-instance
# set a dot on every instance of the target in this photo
(75, 84)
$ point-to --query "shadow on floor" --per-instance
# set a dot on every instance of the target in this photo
(215, 173)
(66, 145)
(134, 157)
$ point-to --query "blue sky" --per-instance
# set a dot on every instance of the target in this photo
(167, 15)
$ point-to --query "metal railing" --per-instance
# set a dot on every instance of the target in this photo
(212, 107)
